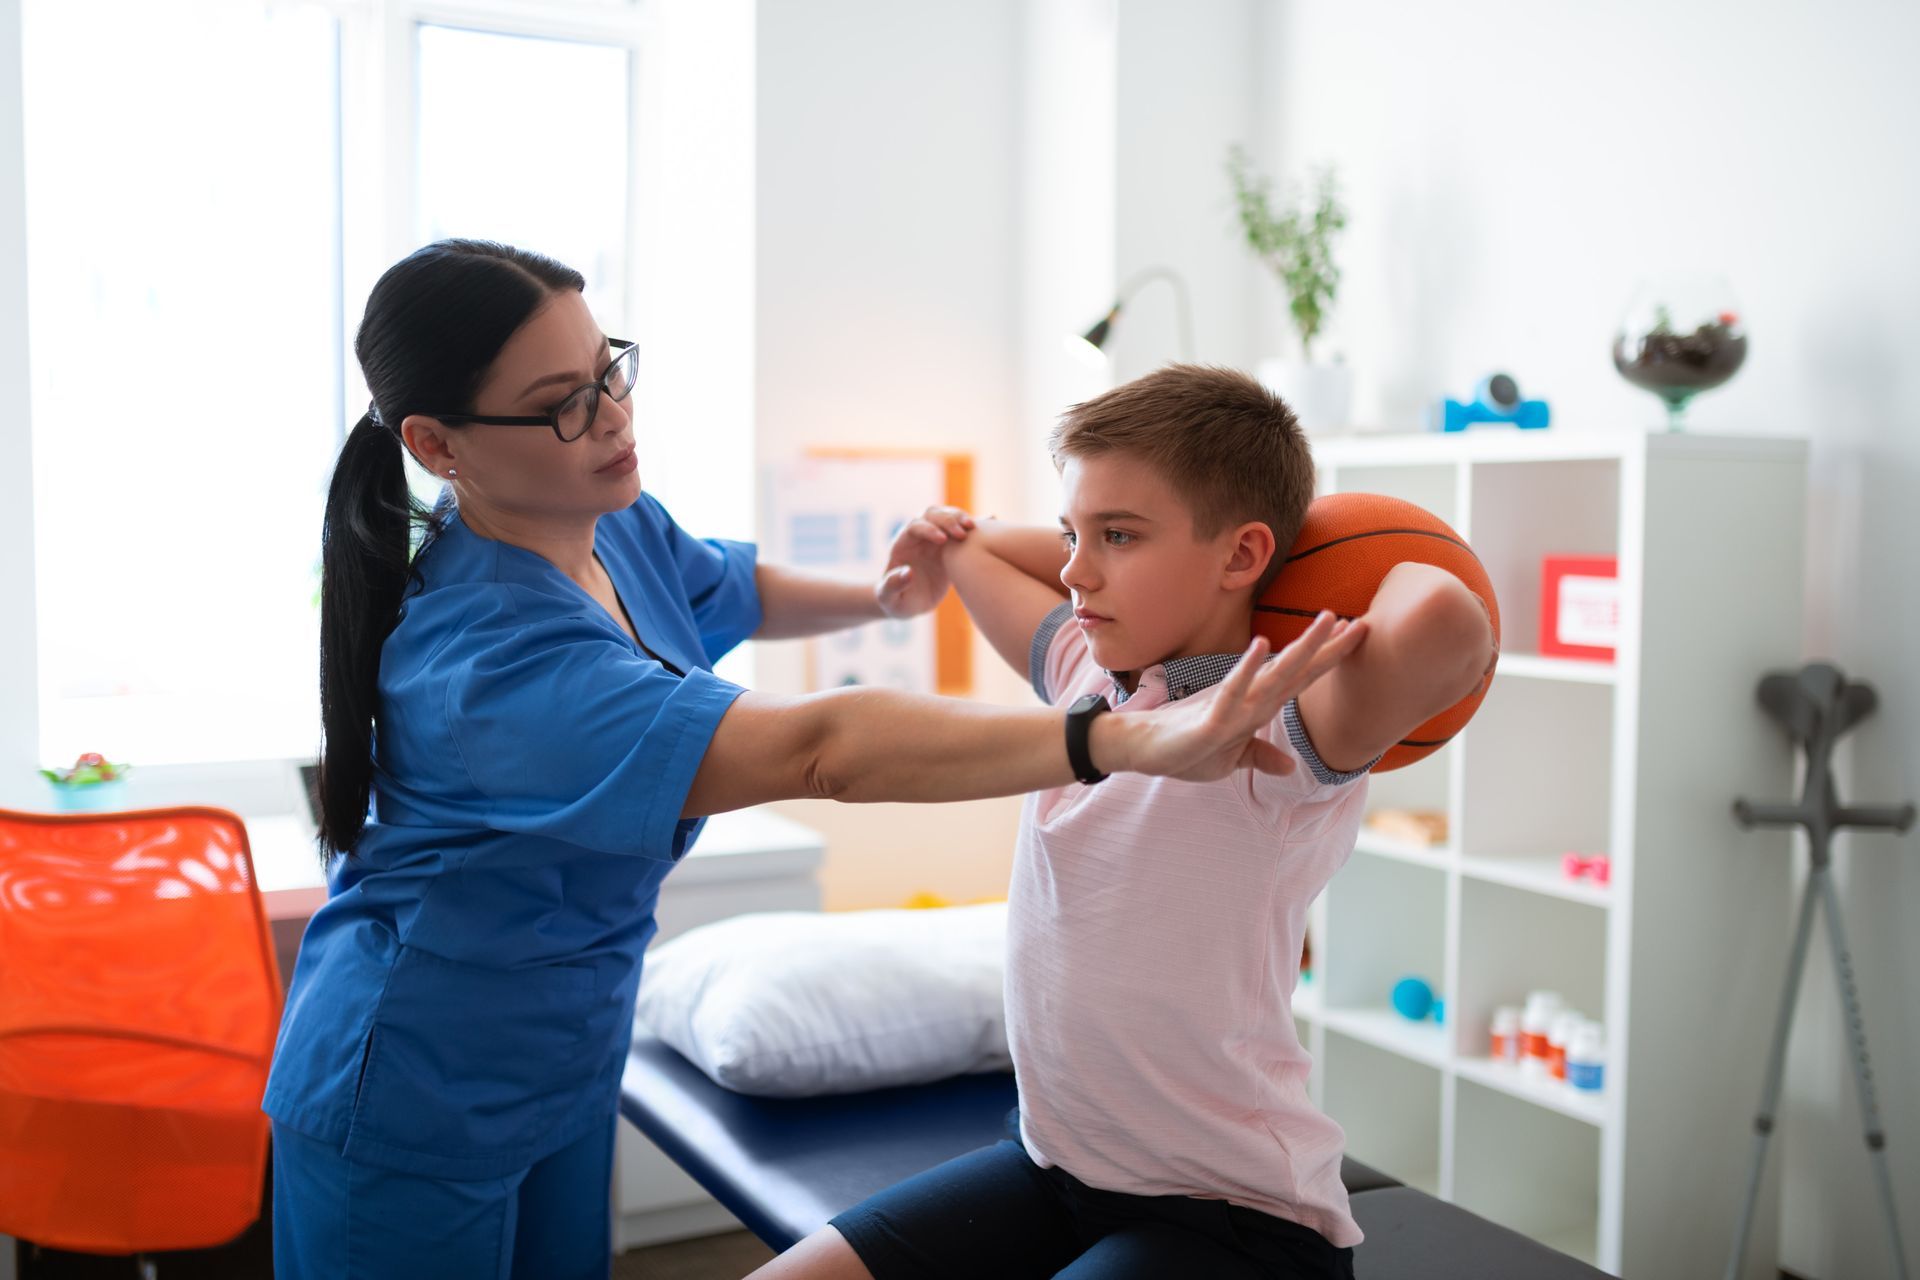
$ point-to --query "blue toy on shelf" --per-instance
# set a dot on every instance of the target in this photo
(1496, 399)
(1415, 1000)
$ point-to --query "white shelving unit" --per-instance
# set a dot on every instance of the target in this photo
(1680, 955)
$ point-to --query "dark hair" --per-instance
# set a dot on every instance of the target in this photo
(433, 325)
(1231, 448)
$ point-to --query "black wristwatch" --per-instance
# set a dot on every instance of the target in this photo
(1080, 718)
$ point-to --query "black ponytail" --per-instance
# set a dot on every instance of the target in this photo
(365, 555)
(434, 323)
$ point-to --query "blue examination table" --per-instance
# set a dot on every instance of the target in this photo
(784, 1166)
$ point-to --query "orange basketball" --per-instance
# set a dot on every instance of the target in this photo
(1346, 547)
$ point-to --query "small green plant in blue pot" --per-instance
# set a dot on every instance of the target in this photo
(92, 785)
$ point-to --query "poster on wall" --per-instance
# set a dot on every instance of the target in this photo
(837, 513)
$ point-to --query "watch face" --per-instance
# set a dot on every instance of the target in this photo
(1086, 702)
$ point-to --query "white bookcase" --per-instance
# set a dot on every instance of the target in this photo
(1681, 955)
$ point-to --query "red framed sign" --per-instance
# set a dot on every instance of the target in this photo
(1579, 607)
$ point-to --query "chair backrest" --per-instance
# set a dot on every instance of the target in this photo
(139, 1002)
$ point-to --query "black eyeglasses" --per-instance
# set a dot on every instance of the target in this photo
(574, 416)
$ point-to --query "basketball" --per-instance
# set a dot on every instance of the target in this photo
(1349, 543)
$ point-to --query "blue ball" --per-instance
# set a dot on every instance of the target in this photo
(1413, 999)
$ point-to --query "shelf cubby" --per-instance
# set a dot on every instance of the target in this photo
(1524, 511)
(1386, 920)
(1528, 1168)
(1513, 941)
(1389, 1107)
(1537, 772)
(1424, 784)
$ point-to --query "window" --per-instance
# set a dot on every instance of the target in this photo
(185, 371)
(502, 161)
(211, 193)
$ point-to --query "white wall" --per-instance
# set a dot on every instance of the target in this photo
(1068, 263)
(19, 735)
(1186, 74)
(694, 258)
(1511, 169)
(887, 198)
(1130, 108)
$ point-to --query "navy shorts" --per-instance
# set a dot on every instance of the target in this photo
(995, 1213)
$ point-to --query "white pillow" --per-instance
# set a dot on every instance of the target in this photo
(794, 1004)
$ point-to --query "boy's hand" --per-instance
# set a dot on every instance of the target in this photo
(915, 580)
(1212, 735)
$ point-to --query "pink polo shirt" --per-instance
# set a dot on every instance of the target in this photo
(1154, 936)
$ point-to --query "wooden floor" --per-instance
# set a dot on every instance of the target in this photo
(726, 1257)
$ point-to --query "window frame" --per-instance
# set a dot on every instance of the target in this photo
(19, 636)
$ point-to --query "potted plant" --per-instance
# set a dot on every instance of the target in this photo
(93, 783)
(1296, 242)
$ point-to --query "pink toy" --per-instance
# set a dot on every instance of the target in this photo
(1597, 867)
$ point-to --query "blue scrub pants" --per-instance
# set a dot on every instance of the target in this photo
(334, 1217)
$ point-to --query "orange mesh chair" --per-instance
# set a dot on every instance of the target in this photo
(139, 1001)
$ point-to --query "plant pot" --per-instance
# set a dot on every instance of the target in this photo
(1320, 395)
(89, 797)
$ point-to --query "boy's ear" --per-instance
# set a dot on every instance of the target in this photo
(1251, 548)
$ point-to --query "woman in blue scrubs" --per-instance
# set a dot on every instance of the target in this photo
(523, 735)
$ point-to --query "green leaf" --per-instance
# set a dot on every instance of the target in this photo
(1296, 243)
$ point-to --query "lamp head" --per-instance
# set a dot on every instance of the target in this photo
(1097, 336)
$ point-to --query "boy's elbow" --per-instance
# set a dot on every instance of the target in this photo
(1457, 623)
(1444, 629)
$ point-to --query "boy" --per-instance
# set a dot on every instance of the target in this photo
(1155, 926)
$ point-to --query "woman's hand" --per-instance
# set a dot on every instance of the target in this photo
(1212, 735)
(915, 580)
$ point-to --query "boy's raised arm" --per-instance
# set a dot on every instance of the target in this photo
(1429, 641)
(1008, 576)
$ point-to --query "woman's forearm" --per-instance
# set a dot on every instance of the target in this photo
(880, 744)
(865, 745)
(795, 603)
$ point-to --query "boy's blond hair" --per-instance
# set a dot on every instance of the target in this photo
(1229, 447)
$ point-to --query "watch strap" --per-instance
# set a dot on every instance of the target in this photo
(1080, 718)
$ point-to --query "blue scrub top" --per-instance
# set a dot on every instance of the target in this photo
(462, 1004)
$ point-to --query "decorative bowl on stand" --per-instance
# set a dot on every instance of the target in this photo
(1681, 335)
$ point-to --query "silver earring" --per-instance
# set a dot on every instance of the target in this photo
(451, 473)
